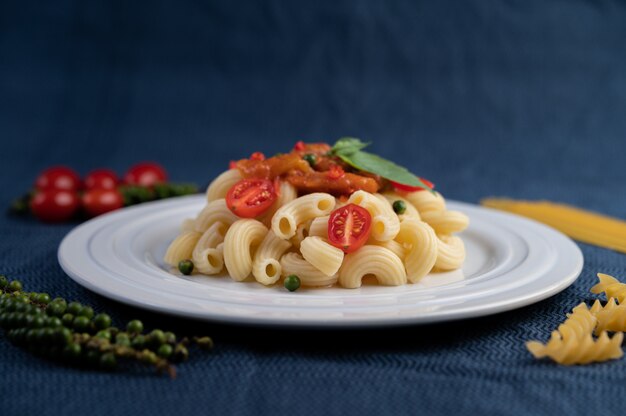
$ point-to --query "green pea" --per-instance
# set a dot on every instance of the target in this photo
(72, 351)
(181, 353)
(310, 158)
(64, 335)
(292, 282)
(138, 342)
(135, 326)
(186, 267)
(399, 207)
(104, 334)
(102, 321)
(54, 322)
(3, 281)
(205, 343)
(38, 322)
(56, 308)
(170, 337)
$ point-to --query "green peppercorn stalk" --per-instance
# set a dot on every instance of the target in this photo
(73, 333)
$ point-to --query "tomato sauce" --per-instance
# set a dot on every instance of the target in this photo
(306, 178)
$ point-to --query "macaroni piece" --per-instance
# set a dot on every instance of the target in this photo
(385, 222)
(214, 211)
(181, 248)
(293, 263)
(239, 243)
(450, 253)
(208, 254)
(286, 220)
(422, 247)
(321, 255)
(319, 227)
(372, 260)
(219, 187)
(266, 267)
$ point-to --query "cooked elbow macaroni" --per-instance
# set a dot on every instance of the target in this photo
(291, 237)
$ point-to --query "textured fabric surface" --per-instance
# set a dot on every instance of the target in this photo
(520, 98)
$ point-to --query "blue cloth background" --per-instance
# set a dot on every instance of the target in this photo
(518, 98)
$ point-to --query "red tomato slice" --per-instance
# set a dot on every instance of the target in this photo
(349, 227)
(249, 198)
(409, 188)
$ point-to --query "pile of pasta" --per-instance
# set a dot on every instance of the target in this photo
(573, 342)
(292, 238)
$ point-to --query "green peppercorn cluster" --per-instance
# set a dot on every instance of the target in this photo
(72, 332)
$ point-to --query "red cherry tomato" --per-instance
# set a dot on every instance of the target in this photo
(54, 205)
(100, 201)
(349, 227)
(101, 179)
(249, 198)
(58, 177)
(145, 174)
(299, 146)
(232, 165)
(257, 156)
(409, 188)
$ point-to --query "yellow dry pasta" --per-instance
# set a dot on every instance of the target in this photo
(611, 317)
(572, 343)
(385, 222)
(294, 263)
(213, 212)
(422, 248)
(377, 261)
(286, 220)
(266, 267)
(321, 255)
(208, 255)
(219, 187)
(181, 248)
(612, 287)
(241, 239)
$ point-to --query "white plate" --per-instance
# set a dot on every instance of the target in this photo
(511, 262)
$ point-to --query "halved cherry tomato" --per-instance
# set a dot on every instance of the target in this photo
(249, 198)
(409, 188)
(101, 179)
(349, 227)
(100, 201)
(54, 205)
(58, 177)
(145, 174)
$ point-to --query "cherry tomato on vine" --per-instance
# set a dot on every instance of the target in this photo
(100, 201)
(58, 177)
(349, 227)
(101, 179)
(409, 188)
(54, 205)
(145, 174)
(249, 198)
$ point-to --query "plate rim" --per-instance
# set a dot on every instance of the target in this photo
(510, 303)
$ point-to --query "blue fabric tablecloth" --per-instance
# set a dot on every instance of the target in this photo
(519, 98)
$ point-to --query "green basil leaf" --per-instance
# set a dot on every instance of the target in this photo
(347, 146)
(372, 163)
